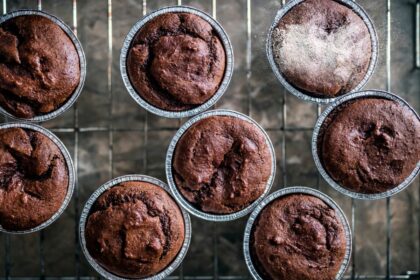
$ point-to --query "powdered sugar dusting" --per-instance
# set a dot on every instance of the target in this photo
(327, 60)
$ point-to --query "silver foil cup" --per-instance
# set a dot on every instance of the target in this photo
(82, 60)
(178, 195)
(296, 91)
(317, 134)
(70, 169)
(285, 192)
(226, 77)
(85, 215)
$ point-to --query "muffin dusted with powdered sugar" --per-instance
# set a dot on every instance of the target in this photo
(322, 47)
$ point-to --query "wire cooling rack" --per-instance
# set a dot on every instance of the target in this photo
(109, 136)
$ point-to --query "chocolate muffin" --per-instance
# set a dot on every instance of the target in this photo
(370, 145)
(298, 237)
(34, 179)
(222, 164)
(135, 230)
(322, 47)
(39, 66)
(176, 61)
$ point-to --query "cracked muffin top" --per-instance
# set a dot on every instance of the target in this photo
(370, 145)
(176, 61)
(222, 164)
(135, 230)
(322, 47)
(39, 66)
(33, 178)
(298, 237)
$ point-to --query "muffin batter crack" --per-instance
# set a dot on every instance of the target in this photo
(225, 170)
(24, 166)
(17, 101)
(153, 83)
(152, 211)
(9, 50)
(222, 169)
(11, 54)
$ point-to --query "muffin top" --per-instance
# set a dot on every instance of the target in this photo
(370, 145)
(298, 237)
(222, 164)
(322, 48)
(176, 61)
(39, 66)
(33, 178)
(135, 230)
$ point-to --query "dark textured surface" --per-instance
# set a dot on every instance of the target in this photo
(39, 66)
(134, 230)
(176, 61)
(222, 164)
(370, 145)
(216, 246)
(298, 237)
(33, 178)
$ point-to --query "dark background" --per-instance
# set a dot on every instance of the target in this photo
(109, 135)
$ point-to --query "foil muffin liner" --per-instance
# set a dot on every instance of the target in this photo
(86, 211)
(285, 192)
(226, 77)
(70, 168)
(183, 201)
(82, 61)
(316, 135)
(296, 91)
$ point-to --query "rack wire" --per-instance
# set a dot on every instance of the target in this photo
(283, 129)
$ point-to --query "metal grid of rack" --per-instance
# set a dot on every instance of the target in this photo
(76, 130)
